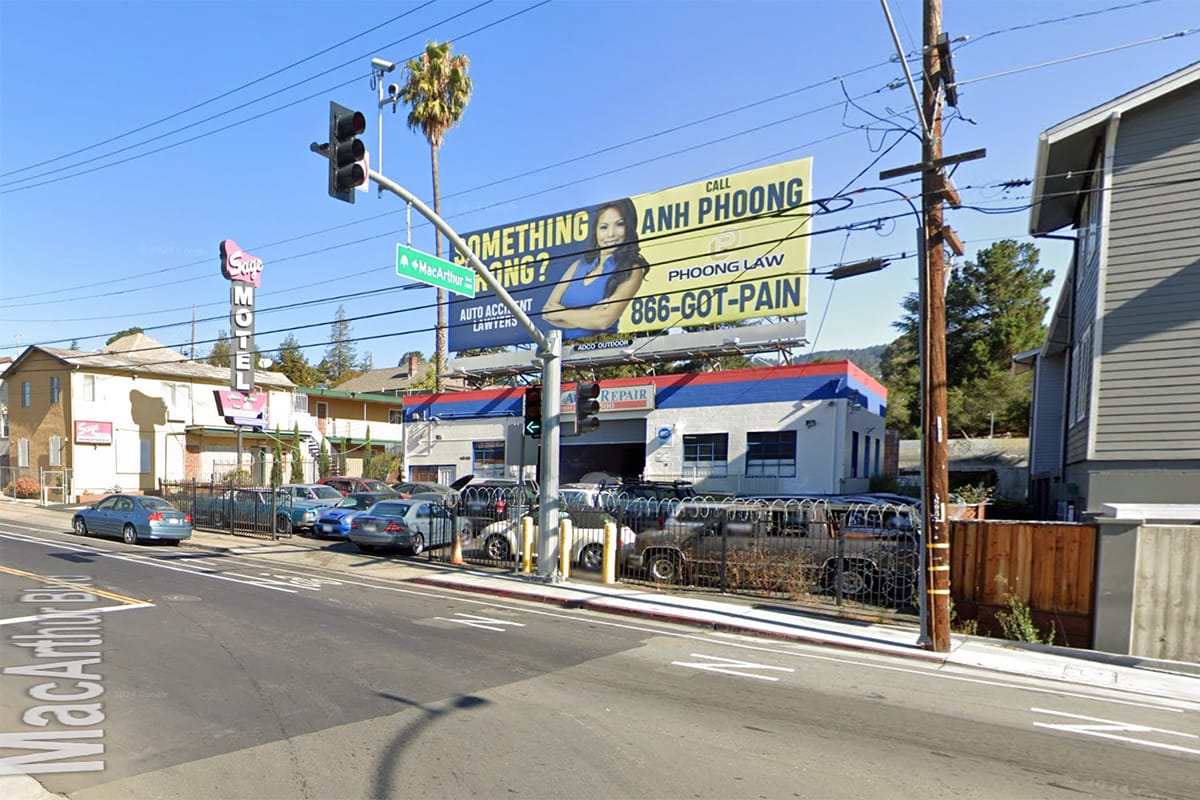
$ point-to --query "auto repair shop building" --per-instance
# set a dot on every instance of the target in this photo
(811, 428)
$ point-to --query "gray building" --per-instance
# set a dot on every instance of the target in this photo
(1116, 405)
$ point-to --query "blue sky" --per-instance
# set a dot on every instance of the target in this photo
(671, 92)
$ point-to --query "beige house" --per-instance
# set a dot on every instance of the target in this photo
(131, 415)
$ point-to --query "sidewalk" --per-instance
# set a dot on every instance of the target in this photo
(777, 620)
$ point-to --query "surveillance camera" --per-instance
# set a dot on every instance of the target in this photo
(381, 65)
(393, 90)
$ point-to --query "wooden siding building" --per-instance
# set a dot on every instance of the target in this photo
(1115, 410)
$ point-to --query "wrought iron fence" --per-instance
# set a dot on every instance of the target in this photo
(232, 507)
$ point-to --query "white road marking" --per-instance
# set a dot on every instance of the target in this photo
(490, 624)
(1108, 729)
(724, 665)
(58, 615)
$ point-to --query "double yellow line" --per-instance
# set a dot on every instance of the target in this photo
(120, 598)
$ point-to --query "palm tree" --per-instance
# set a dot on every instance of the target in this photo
(437, 88)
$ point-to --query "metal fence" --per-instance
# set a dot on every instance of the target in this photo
(864, 552)
(232, 507)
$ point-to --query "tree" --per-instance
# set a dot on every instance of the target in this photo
(222, 351)
(437, 88)
(340, 361)
(122, 334)
(292, 362)
(994, 310)
(297, 456)
(323, 461)
(277, 461)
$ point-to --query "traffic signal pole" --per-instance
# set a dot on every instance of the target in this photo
(549, 351)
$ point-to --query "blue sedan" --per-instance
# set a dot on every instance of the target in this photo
(134, 518)
(336, 521)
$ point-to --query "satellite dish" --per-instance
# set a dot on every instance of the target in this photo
(265, 363)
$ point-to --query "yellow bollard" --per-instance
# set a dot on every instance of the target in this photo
(564, 547)
(610, 552)
(526, 545)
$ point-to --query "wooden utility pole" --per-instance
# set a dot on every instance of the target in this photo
(933, 422)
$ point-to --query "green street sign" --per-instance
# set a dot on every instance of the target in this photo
(434, 271)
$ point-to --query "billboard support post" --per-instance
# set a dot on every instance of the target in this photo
(549, 351)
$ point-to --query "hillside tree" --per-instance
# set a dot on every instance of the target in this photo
(994, 310)
(291, 361)
(340, 363)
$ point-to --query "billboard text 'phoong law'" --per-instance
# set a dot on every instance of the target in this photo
(720, 250)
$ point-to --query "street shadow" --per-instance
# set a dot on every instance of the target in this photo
(385, 784)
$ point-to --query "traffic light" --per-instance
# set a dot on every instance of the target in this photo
(586, 407)
(346, 151)
(533, 411)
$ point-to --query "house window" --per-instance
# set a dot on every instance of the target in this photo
(300, 403)
(1081, 376)
(26, 394)
(854, 454)
(489, 459)
(705, 454)
(22, 452)
(771, 454)
(56, 443)
(89, 388)
(178, 398)
(54, 389)
(396, 416)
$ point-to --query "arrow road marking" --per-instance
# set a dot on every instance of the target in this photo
(1107, 728)
(724, 664)
(482, 622)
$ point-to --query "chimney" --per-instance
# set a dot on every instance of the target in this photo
(414, 362)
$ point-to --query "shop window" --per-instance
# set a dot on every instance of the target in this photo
(854, 454)
(489, 459)
(705, 454)
(771, 454)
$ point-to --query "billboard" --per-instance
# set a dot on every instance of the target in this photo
(724, 249)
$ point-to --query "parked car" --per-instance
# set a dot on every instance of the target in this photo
(700, 536)
(585, 495)
(489, 500)
(409, 525)
(307, 502)
(409, 488)
(346, 484)
(336, 521)
(644, 504)
(498, 541)
(134, 518)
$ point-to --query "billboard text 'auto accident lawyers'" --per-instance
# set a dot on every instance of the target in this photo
(728, 248)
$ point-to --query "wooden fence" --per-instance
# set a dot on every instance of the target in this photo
(1051, 566)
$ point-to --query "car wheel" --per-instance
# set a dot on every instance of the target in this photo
(129, 534)
(856, 579)
(283, 524)
(592, 557)
(418, 545)
(218, 518)
(665, 568)
(496, 548)
(80, 526)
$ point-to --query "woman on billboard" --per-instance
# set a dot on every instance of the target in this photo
(596, 288)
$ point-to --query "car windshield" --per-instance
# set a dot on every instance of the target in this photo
(156, 504)
(376, 486)
(389, 509)
(323, 492)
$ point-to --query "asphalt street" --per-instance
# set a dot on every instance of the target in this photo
(224, 675)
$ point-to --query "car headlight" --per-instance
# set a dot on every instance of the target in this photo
(310, 514)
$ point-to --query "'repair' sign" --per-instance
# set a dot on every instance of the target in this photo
(244, 272)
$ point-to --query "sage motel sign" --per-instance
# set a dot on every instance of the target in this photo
(244, 272)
